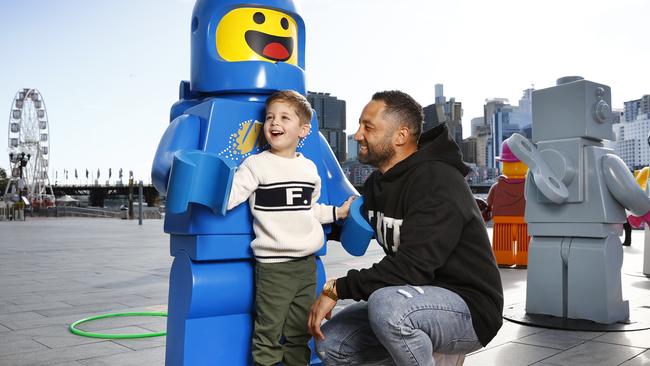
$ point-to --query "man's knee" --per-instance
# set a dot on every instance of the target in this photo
(384, 310)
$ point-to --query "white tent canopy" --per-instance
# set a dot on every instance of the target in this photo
(66, 199)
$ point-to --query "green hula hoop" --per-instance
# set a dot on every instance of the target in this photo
(83, 333)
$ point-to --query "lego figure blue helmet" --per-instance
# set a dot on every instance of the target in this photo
(247, 47)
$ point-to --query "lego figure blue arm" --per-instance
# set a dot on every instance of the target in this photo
(187, 174)
(544, 177)
(625, 190)
(182, 134)
(199, 177)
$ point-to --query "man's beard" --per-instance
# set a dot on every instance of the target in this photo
(377, 154)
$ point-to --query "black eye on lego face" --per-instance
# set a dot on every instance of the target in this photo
(284, 23)
(259, 17)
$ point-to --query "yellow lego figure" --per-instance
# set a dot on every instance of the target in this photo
(507, 206)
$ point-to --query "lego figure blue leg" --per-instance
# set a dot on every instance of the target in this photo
(210, 310)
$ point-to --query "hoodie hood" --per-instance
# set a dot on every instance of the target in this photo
(434, 145)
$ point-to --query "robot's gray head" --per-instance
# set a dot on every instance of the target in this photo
(573, 108)
(568, 79)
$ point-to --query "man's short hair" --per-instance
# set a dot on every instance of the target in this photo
(402, 108)
(296, 100)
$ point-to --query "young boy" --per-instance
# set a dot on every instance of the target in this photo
(282, 188)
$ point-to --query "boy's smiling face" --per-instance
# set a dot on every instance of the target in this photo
(283, 129)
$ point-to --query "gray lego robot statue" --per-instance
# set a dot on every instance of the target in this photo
(576, 195)
(644, 181)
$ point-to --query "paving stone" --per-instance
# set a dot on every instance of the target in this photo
(19, 345)
(639, 338)
(100, 307)
(510, 332)
(640, 360)
(595, 353)
(147, 357)
(559, 342)
(511, 354)
(143, 343)
(52, 356)
(8, 309)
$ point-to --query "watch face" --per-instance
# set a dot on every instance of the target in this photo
(327, 286)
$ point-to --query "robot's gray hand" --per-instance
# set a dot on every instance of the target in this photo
(545, 179)
(623, 187)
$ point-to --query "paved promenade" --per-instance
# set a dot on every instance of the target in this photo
(56, 271)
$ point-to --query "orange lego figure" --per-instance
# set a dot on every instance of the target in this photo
(507, 204)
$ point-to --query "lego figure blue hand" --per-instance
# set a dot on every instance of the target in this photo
(356, 232)
(199, 177)
(546, 180)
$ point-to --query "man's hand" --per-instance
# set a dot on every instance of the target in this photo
(322, 309)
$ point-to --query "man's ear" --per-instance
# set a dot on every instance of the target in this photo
(402, 136)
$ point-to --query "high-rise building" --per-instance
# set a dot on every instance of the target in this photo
(618, 115)
(633, 108)
(632, 141)
(484, 155)
(443, 111)
(475, 123)
(468, 149)
(353, 148)
(504, 120)
(330, 112)
(357, 172)
(440, 94)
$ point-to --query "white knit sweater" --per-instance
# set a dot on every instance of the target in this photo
(282, 194)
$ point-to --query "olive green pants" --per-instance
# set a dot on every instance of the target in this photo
(284, 294)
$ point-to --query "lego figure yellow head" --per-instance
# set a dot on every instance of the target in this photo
(257, 34)
(511, 167)
(247, 47)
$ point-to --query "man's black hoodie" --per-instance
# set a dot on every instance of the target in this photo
(426, 219)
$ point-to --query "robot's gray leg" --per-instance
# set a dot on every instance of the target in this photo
(646, 252)
(546, 283)
(595, 280)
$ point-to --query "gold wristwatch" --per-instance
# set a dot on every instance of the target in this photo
(329, 290)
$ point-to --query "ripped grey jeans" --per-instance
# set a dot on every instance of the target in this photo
(400, 325)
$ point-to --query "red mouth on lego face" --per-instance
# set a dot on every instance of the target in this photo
(272, 47)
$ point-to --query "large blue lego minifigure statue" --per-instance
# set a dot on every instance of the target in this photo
(241, 53)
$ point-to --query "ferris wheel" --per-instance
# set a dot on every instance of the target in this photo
(29, 148)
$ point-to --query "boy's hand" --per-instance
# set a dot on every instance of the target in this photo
(342, 212)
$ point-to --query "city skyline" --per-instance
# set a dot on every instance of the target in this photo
(109, 72)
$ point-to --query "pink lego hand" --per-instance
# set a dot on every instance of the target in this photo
(637, 221)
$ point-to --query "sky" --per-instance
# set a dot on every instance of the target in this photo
(109, 70)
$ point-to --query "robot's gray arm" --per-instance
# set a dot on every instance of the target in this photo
(545, 179)
(623, 187)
